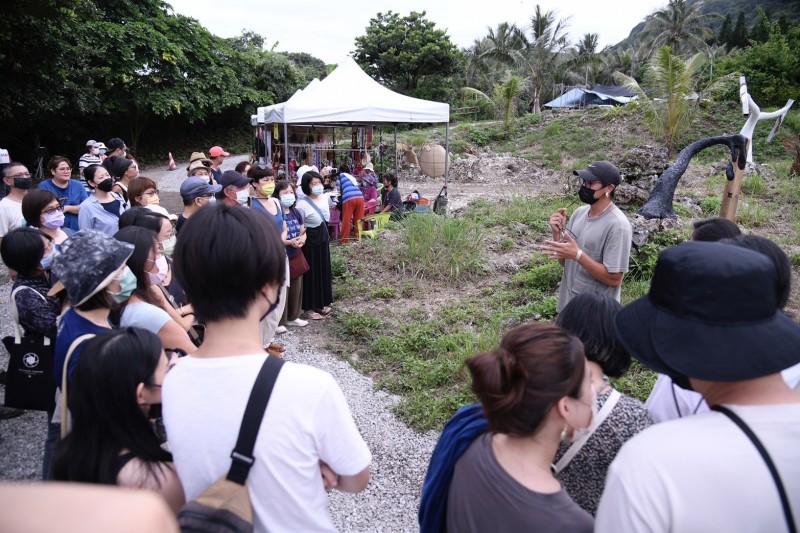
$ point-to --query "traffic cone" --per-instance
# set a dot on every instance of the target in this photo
(172, 165)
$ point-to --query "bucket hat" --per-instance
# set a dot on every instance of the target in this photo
(195, 157)
(87, 262)
(711, 313)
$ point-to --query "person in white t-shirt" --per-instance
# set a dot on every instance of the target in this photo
(712, 322)
(308, 440)
(17, 177)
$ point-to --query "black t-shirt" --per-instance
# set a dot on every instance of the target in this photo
(180, 222)
(112, 207)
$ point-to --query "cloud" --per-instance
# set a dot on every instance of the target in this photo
(328, 29)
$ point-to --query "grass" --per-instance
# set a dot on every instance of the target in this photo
(416, 348)
(442, 248)
(419, 354)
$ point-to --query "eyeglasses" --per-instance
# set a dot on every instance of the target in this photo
(150, 193)
(51, 210)
(22, 175)
(64, 169)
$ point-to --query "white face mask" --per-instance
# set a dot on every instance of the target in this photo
(161, 274)
(95, 151)
(581, 433)
(242, 197)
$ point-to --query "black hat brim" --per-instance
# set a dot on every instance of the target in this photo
(668, 343)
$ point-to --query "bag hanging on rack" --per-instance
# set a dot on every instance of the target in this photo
(29, 379)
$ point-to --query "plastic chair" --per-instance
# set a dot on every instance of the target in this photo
(380, 220)
(335, 224)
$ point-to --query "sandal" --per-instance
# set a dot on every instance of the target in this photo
(312, 315)
(274, 346)
(325, 311)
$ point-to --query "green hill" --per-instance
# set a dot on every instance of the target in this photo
(775, 8)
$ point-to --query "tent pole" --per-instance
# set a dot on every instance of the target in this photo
(286, 149)
(446, 150)
(380, 145)
(395, 149)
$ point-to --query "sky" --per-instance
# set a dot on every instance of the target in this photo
(327, 28)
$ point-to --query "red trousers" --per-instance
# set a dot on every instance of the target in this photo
(352, 211)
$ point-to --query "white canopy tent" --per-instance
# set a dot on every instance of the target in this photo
(347, 97)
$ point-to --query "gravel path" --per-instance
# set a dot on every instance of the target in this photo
(400, 455)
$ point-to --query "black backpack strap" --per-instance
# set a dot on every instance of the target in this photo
(242, 456)
(787, 510)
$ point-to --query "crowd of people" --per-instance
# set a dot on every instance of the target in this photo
(162, 323)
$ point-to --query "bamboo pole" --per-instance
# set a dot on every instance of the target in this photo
(733, 190)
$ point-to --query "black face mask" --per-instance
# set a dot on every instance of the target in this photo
(587, 195)
(23, 183)
(105, 185)
(272, 306)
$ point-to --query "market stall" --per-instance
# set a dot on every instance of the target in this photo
(302, 130)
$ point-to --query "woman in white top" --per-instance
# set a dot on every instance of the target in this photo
(318, 281)
(142, 309)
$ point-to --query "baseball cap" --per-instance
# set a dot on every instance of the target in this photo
(603, 171)
(217, 151)
(194, 187)
(92, 143)
(231, 177)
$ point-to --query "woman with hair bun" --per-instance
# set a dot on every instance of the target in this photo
(535, 391)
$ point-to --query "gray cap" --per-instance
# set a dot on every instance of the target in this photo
(195, 186)
(87, 262)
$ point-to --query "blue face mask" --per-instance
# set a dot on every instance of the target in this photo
(316, 190)
(47, 261)
(288, 200)
(127, 284)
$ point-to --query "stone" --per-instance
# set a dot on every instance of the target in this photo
(643, 161)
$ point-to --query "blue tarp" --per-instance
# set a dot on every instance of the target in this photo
(597, 95)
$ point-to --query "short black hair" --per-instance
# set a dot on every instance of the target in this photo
(9, 166)
(223, 259)
(305, 183)
(590, 317)
(143, 218)
(22, 250)
(783, 267)
(256, 174)
(34, 203)
(344, 167)
(391, 178)
(715, 229)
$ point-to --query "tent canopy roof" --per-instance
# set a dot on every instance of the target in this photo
(349, 95)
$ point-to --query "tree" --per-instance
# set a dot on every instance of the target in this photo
(538, 56)
(680, 26)
(726, 32)
(310, 66)
(739, 37)
(586, 62)
(401, 51)
(772, 67)
(761, 27)
(669, 104)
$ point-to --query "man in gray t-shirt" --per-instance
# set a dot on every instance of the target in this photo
(595, 245)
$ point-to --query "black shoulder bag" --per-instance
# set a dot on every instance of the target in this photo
(225, 506)
(787, 510)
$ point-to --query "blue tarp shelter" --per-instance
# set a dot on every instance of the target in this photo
(597, 95)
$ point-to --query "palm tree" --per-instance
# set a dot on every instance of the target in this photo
(680, 26)
(505, 97)
(671, 106)
(539, 56)
(586, 63)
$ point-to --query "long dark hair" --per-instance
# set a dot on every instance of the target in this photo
(143, 241)
(106, 417)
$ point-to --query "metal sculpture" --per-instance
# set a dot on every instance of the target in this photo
(659, 205)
